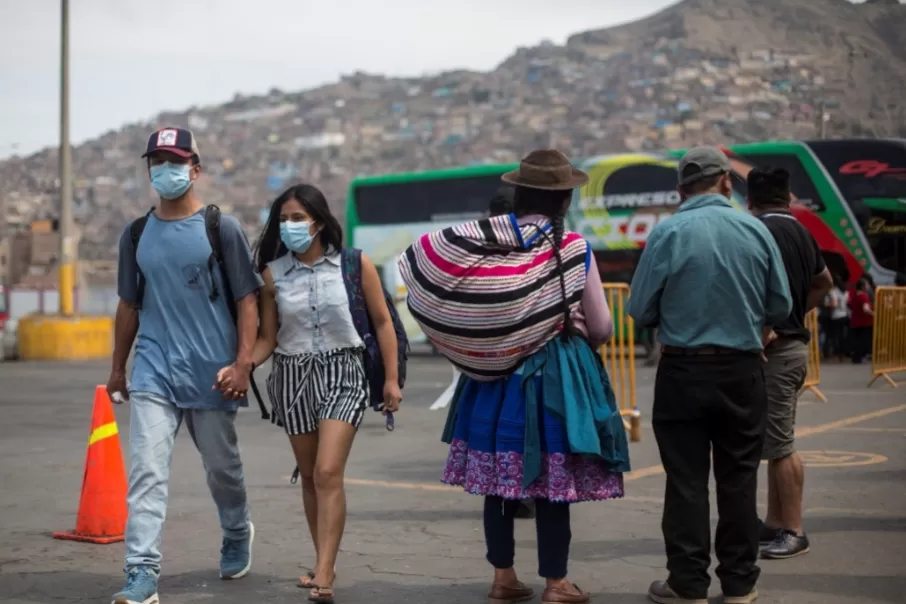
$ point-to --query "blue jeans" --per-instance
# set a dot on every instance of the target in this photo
(154, 424)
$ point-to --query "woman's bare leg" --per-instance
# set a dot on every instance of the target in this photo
(334, 444)
(305, 450)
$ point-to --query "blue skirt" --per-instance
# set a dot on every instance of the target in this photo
(488, 444)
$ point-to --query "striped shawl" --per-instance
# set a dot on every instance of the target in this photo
(487, 293)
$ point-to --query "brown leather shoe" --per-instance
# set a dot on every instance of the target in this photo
(507, 594)
(552, 595)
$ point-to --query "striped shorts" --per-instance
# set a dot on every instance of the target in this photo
(307, 388)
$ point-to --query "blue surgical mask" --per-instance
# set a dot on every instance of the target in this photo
(296, 236)
(171, 181)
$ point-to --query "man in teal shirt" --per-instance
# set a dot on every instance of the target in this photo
(712, 280)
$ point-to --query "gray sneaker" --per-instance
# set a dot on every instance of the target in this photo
(140, 588)
(236, 556)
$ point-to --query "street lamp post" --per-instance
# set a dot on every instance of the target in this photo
(67, 251)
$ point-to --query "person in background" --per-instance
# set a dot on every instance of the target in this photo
(318, 385)
(861, 321)
(537, 416)
(184, 334)
(870, 287)
(810, 281)
(712, 280)
(837, 322)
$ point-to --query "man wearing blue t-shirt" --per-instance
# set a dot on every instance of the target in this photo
(184, 333)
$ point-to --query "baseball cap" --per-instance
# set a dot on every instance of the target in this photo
(702, 162)
(178, 141)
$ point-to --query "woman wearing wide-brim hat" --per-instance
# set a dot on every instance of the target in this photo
(515, 302)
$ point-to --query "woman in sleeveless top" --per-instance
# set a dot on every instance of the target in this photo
(547, 427)
(318, 386)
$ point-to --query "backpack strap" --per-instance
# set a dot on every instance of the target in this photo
(212, 228)
(135, 233)
(351, 263)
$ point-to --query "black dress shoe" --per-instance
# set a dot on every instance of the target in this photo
(787, 544)
(766, 535)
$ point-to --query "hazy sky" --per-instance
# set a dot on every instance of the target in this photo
(132, 59)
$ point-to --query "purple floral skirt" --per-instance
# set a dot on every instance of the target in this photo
(486, 452)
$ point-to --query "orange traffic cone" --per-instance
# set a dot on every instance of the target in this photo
(102, 507)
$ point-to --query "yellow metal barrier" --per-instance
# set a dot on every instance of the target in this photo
(57, 338)
(888, 346)
(813, 377)
(619, 358)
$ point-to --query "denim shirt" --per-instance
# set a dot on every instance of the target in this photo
(312, 306)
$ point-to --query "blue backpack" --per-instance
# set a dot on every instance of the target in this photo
(351, 263)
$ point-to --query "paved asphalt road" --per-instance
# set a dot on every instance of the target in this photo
(410, 539)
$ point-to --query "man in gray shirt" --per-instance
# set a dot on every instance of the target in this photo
(173, 306)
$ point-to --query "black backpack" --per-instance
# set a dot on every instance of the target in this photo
(212, 228)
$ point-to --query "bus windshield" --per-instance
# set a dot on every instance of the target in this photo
(435, 200)
(871, 178)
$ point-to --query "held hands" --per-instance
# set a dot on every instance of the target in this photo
(233, 381)
(392, 397)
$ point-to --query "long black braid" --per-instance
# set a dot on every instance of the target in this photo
(550, 204)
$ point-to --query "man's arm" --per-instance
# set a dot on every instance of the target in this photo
(822, 282)
(778, 301)
(245, 281)
(125, 326)
(649, 280)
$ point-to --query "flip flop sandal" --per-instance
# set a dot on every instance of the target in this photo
(305, 581)
(321, 595)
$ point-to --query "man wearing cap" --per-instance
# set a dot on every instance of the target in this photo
(183, 334)
(712, 281)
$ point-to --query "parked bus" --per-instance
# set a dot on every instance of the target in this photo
(850, 194)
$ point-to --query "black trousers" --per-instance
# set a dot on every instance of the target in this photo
(551, 525)
(835, 337)
(710, 405)
(861, 343)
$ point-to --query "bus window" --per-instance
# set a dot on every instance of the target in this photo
(426, 200)
(865, 168)
(871, 177)
(627, 186)
(800, 182)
